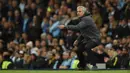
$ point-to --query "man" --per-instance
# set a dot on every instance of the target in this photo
(7, 62)
(88, 39)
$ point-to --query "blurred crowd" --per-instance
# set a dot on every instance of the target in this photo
(30, 37)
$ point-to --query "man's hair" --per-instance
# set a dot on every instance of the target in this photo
(83, 8)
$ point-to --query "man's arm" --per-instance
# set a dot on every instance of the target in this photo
(85, 22)
(78, 40)
(77, 27)
(80, 37)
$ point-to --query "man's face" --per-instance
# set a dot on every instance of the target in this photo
(80, 12)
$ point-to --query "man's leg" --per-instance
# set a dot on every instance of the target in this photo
(82, 63)
(90, 54)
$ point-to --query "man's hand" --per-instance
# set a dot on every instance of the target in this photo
(61, 26)
(75, 43)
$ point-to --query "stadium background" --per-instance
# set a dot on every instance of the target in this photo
(30, 38)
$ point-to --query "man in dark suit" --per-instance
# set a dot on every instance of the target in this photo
(88, 39)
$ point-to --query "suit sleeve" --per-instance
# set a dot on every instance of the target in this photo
(83, 24)
(80, 37)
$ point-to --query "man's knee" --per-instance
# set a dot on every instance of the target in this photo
(90, 46)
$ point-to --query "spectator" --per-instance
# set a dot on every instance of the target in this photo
(101, 54)
(112, 26)
(62, 45)
(123, 58)
(14, 5)
(42, 61)
(6, 63)
(54, 28)
(27, 61)
(43, 44)
(10, 16)
(33, 62)
(8, 31)
(18, 38)
(74, 60)
(31, 9)
(24, 38)
(112, 61)
(49, 39)
(123, 29)
(45, 25)
(29, 47)
(19, 61)
(57, 61)
(37, 44)
(34, 30)
(22, 6)
(69, 39)
(97, 17)
(18, 21)
(115, 44)
(26, 22)
(66, 61)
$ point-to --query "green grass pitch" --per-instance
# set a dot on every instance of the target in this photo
(64, 71)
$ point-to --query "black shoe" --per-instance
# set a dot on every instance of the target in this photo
(81, 67)
(84, 68)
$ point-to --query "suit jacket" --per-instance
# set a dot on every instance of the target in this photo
(87, 28)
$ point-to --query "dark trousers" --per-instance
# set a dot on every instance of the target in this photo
(88, 56)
